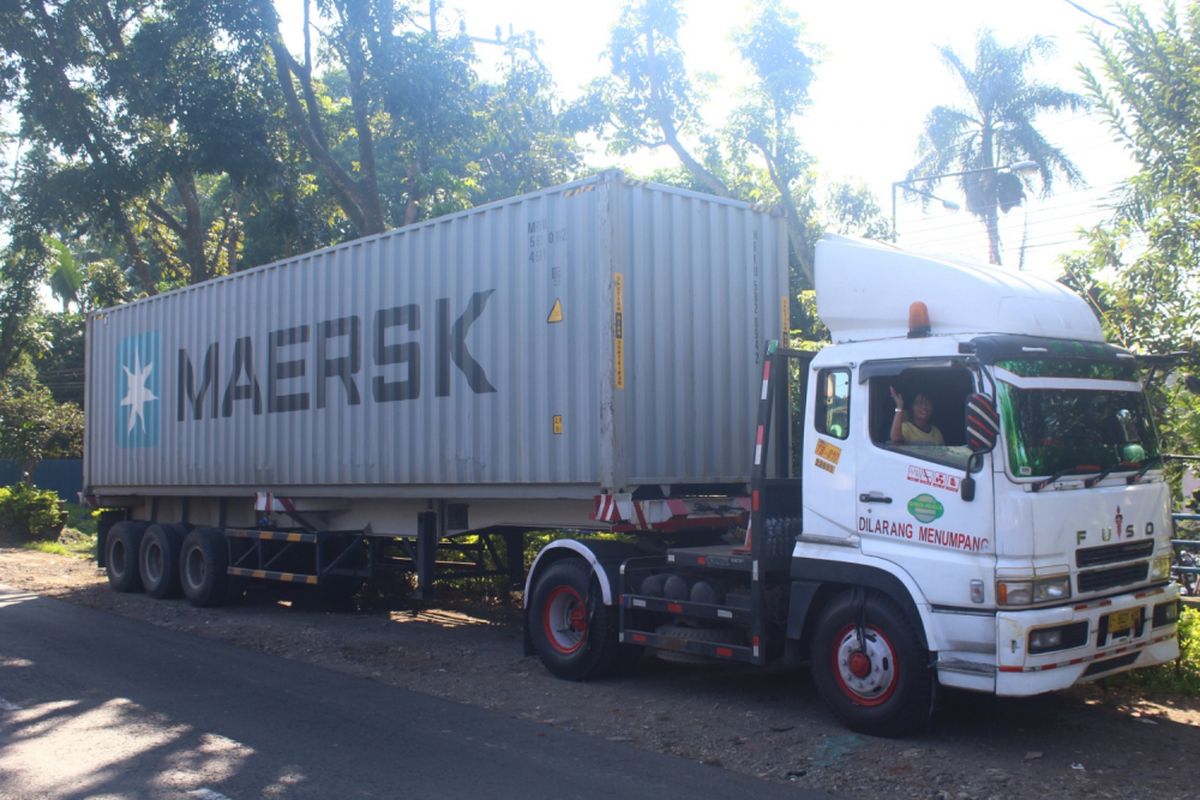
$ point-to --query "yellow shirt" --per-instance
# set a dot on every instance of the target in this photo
(914, 435)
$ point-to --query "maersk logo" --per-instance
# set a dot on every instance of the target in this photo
(139, 407)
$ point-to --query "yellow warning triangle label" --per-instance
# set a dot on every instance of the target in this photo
(556, 314)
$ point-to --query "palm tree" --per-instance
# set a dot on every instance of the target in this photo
(995, 129)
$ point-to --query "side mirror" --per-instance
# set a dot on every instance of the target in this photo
(983, 424)
(983, 429)
(966, 487)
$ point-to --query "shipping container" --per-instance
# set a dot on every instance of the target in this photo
(593, 337)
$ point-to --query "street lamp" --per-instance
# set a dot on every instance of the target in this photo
(1019, 167)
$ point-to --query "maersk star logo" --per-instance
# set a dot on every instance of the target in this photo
(138, 404)
(138, 393)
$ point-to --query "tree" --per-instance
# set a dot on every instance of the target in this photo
(1140, 268)
(396, 123)
(33, 426)
(528, 141)
(652, 102)
(649, 95)
(22, 269)
(133, 109)
(768, 119)
(995, 128)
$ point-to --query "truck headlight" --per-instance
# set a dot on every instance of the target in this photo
(1062, 637)
(1028, 592)
(1160, 568)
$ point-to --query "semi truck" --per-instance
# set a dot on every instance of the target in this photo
(609, 360)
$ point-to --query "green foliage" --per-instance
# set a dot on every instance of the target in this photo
(28, 513)
(22, 267)
(105, 285)
(650, 95)
(854, 211)
(994, 128)
(652, 102)
(145, 133)
(527, 141)
(1140, 269)
(33, 425)
(83, 520)
(66, 273)
(70, 543)
(59, 360)
(807, 330)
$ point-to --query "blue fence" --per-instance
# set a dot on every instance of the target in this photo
(63, 475)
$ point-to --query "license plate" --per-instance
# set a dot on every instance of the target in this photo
(1122, 621)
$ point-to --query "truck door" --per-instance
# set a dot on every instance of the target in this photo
(910, 508)
(828, 465)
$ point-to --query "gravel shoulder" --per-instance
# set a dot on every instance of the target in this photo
(1087, 743)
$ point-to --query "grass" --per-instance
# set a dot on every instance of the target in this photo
(78, 537)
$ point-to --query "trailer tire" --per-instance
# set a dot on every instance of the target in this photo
(121, 556)
(883, 686)
(573, 632)
(202, 563)
(158, 560)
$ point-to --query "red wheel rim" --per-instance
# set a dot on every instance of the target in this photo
(867, 675)
(565, 620)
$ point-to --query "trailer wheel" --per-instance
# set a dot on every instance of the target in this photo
(202, 563)
(121, 556)
(881, 685)
(158, 560)
(573, 632)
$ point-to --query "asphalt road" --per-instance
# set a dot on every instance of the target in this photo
(98, 706)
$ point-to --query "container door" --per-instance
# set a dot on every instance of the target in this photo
(910, 505)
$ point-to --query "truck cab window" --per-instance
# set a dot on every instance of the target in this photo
(833, 403)
(931, 422)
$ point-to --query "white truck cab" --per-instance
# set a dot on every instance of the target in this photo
(1037, 564)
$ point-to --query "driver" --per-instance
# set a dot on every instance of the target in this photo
(920, 428)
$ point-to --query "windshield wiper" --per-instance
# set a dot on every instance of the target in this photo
(1146, 465)
(1078, 468)
(1104, 473)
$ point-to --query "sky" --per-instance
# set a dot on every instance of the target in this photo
(879, 74)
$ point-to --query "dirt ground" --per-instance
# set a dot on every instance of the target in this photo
(1087, 743)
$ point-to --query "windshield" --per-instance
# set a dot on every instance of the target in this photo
(1058, 430)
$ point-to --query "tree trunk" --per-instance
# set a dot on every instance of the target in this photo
(992, 221)
(797, 227)
(354, 200)
(662, 114)
(193, 227)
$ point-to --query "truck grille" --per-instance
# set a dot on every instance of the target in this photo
(1113, 553)
(1100, 579)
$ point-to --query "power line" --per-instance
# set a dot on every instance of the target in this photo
(1091, 14)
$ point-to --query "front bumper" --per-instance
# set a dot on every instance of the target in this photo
(1103, 653)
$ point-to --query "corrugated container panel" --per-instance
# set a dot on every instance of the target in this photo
(427, 356)
(707, 280)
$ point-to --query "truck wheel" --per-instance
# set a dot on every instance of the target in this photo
(202, 562)
(882, 685)
(573, 632)
(121, 556)
(158, 560)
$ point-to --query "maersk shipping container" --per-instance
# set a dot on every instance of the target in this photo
(597, 336)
